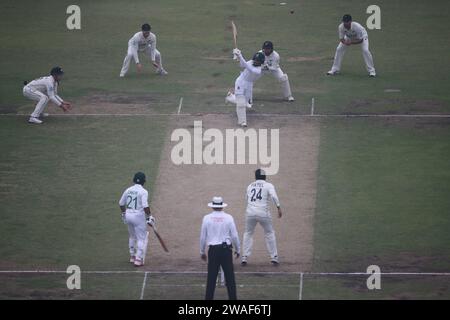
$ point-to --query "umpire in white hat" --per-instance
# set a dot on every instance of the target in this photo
(219, 235)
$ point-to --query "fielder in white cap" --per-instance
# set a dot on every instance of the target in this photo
(219, 235)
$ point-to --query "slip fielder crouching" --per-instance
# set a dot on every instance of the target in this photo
(43, 90)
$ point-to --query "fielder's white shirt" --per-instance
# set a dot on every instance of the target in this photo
(135, 199)
(258, 196)
(218, 227)
(356, 31)
(250, 73)
(272, 61)
(139, 43)
(48, 86)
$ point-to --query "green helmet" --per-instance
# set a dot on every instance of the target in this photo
(259, 57)
(139, 178)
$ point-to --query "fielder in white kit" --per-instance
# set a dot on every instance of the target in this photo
(143, 41)
(258, 196)
(42, 90)
(243, 86)
(352, 33)
(272, 66)
(136, 214)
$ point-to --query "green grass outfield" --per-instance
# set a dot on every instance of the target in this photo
(383, 184)
(381, 200)
(409, 52)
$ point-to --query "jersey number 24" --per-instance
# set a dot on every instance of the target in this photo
(255, 194)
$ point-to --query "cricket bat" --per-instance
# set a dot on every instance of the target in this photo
(233, 27)
(161, 241)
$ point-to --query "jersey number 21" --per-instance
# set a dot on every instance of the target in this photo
(131, 200)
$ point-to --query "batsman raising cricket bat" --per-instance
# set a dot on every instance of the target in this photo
(251, 71)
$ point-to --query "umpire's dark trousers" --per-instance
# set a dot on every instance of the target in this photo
(220, 255)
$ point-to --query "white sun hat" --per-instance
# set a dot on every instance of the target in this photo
(217, 202)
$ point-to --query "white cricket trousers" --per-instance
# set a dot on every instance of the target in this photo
(340, 51)
(243, 91)
(283, 79)
(137, 229)
(36, 96)
(147, 52)
(269, 235)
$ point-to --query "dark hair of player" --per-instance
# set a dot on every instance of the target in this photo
(260, 174)
(346, 18)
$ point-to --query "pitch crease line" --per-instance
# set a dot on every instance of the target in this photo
(237, 272)
(143, 286)
(250, 115)
(180, 105)
(300, 290)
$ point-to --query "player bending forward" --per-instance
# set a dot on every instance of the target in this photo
(143, 41)
(136, 214)
(42, 90)
(259, 194)
(272, 66)
(243, 86)
(352, 33)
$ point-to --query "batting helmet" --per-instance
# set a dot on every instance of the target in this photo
(267, 45)
(139, 178)
(146, 27)
(259, 56)
(56, 71)
(260, 174)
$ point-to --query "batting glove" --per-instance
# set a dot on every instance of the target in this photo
(151, 221)
(124, 219)
(236, 52)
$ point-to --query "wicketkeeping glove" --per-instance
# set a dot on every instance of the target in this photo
(151, 221)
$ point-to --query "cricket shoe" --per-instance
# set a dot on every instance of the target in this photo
(274, 261)
(332, 73)
(290, 99)
(138, 263)
(132, 259)
(121, 75)
(43, 115)
(249, 105)
(230, 98)
(34, 120)
(243, 124)
(244, 261)
(162, 72)
(372, 74)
